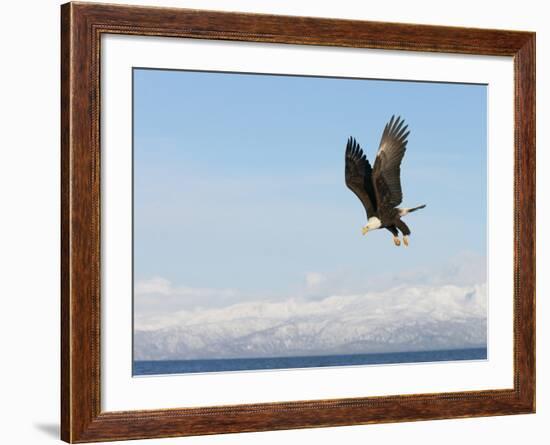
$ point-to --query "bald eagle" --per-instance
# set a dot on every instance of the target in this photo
(379, 188)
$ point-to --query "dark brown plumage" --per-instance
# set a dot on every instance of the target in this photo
(379, 187)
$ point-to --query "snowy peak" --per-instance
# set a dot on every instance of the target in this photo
(400, 319)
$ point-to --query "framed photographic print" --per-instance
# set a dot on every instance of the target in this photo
(274, 222)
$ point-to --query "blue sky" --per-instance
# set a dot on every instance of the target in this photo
(239, 182)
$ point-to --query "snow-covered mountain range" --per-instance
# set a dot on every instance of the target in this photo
(400, 319)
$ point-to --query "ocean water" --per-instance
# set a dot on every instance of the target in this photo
(157, 367)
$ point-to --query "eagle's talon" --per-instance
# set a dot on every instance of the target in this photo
(406, 240)
(396, 241)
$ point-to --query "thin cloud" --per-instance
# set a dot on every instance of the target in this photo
(162, 286)
(314, 280)
(158, 296)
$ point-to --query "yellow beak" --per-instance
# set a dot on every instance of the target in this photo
(364, 230)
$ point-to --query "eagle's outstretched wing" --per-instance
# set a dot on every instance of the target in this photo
(359, 176)
(387, 166)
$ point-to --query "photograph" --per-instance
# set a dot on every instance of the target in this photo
(289, 222)
(293, 221)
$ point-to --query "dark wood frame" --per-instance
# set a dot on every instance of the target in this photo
(82, 25)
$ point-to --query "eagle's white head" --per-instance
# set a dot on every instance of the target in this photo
(373, 223)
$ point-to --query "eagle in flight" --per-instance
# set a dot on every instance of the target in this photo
(379, 187)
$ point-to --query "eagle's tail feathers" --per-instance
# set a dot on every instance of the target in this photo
(403, 212)
(414, 209)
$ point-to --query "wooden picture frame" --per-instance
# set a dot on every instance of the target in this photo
(82, 25)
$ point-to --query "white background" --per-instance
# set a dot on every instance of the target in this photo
(29, 239)
(121, 392)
